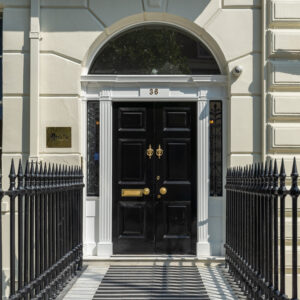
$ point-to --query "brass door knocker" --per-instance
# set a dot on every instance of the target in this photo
(150, 151)
(159, 152)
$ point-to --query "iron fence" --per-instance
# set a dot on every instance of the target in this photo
(45, 229)
(256, 227)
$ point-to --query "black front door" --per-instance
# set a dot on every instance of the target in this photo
(154, 178)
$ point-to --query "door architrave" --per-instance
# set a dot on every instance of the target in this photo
(109, 88)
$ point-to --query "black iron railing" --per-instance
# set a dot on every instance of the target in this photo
(255, 229)
(45, 229)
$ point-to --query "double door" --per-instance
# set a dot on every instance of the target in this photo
(154, 178)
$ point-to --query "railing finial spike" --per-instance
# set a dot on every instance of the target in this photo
(45, 169)
(12, 167)
(294, 168)
(266, 168)
(270, 167)
(27, 168)
(41, 168)
(282, 168)
(275, 168)
(20, 169)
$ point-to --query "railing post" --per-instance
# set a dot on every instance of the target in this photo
(275, 201)
(32, 221)
(294, 193)
(12, 195)
(26, 225)
(282, 192)
(20, 226)
(1, 244)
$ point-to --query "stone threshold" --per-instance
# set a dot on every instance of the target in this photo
(150, 259)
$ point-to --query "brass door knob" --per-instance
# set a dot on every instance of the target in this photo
(163, 190)
(146, 191)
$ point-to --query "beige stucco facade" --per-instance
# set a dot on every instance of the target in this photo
(49, 44)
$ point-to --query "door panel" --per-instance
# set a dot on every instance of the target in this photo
(132, 160)
(176, 210)
(155, 223)
(179, 151)
(133, 225)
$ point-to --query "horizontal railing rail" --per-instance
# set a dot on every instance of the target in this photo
(256, 227)
(45, 229)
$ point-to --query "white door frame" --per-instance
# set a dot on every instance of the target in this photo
(137, 88)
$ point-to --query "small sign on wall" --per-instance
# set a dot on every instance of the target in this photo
(59, 137)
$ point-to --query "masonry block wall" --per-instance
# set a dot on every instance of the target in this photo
(283, 79)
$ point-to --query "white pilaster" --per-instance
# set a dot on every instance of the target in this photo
(104, 247)
(34, 78)
(203, 246)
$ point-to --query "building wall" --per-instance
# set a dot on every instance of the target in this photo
(71, 30)
(259, 125)
(283, 80)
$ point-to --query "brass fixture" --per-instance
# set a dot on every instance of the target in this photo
(150, 151)
(157, 177)
(163, 190)
(146, 191)
(159, 152)
(135, 192)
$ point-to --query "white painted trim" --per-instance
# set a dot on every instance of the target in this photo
(211, 79)
(34, 35)
(106, 90)
(84, 152)
(203, 246)
(104, 247)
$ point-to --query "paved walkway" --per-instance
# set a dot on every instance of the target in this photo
(85, 288)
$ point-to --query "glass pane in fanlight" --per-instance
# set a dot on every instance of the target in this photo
(154, 50)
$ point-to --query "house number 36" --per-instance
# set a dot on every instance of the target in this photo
(153, 91)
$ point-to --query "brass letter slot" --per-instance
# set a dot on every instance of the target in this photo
(135, 192)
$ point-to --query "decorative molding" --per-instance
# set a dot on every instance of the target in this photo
(111, 88)
(285, 135)
(34, 35)
(241, 3)
(154, 3)
(284, 74)
(105, 94)
(203, 247)
(283, 43)
(134, 79)
(284, 12)
(284, 106)
(133, 88)
(104, 247)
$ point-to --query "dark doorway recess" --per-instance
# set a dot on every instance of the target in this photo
(154, 178)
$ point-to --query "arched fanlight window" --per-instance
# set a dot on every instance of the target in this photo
(154, 50)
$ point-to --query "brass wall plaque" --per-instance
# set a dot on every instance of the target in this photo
(59, 137)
